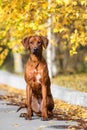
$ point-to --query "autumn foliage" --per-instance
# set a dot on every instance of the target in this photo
(26, 17)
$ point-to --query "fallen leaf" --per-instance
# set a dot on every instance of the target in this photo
(16, 125)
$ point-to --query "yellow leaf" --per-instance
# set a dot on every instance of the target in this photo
(55, 30)
(85, 58)
(45, 5)
(16, 125)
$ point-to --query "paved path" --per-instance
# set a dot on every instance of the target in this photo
(10, 120)
(70, 96)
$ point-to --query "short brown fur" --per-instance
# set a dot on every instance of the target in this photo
(39, 97)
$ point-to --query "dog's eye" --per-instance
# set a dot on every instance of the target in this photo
(31, 42)
(39, 43)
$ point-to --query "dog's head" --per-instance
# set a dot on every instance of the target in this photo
(35, 43)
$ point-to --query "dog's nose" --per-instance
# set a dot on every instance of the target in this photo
(35, 50)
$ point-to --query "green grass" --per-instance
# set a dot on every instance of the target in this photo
(76, 81)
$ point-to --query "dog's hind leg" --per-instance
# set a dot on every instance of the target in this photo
(50, 105)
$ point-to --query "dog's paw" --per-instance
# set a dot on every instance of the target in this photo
(50, 115)
(27, 117)
(44, 118)
(23, 114)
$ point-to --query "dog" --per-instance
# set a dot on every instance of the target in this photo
(38, 92)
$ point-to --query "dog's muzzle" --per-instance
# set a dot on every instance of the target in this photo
(35, 51)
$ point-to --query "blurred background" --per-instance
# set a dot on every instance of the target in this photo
(63, 22)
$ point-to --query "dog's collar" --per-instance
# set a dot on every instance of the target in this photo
(35, 64)
(34, 58)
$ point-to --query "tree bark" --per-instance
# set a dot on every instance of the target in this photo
(18, 66)
(49, 49)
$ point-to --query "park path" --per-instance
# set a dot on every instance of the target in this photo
(61, 93)
(10, 120)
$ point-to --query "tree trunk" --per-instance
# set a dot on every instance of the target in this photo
(54, 55)
(49, 49)
(49, 54)
(18, 67)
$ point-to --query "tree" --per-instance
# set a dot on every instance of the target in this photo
(21, 18)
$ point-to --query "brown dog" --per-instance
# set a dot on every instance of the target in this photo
(39, 97)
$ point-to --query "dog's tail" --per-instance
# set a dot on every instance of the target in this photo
(21, 107)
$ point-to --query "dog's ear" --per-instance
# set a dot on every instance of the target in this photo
(45, 41)
(25, 42)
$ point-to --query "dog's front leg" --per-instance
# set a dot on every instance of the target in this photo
(44, 103)
(29, 96)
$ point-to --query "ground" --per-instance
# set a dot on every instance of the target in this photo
(66, 116)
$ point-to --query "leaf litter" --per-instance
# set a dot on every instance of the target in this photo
(62, 110)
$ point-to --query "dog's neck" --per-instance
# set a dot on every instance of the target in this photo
(35, 58)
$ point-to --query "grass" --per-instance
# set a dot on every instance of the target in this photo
(75, 81)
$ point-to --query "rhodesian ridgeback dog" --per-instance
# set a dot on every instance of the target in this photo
(38, 92)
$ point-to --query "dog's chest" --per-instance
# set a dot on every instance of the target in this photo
(38, 78)
(35, 82)
(34, 77)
